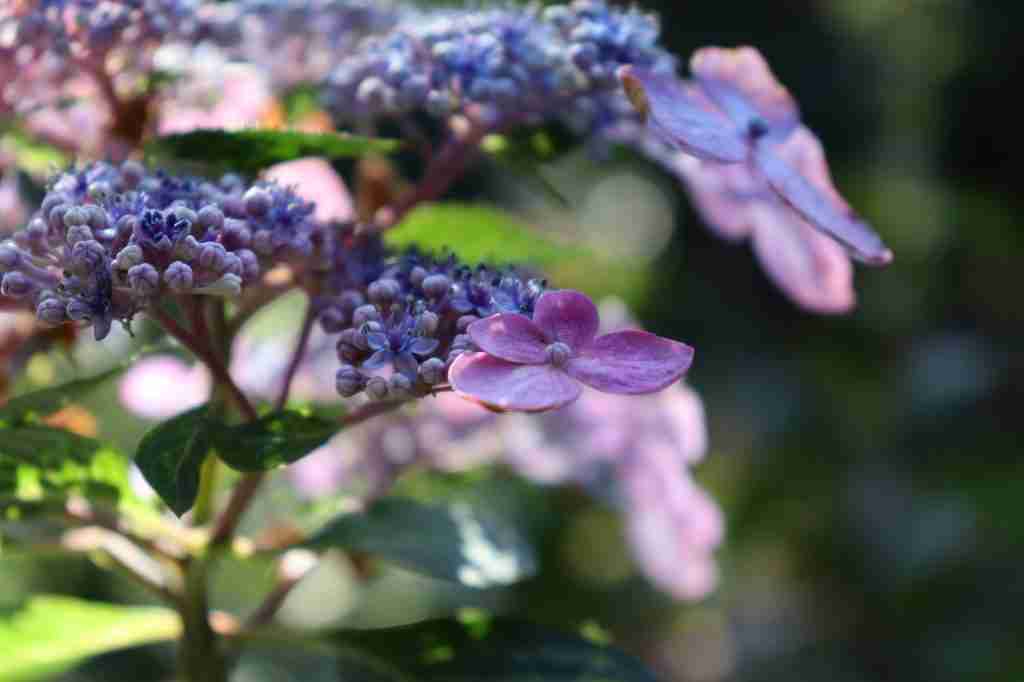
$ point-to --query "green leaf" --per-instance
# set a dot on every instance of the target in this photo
(251, 150)
(49, 400)
(499, 650)
(273, 440)
(40, 466)
(171, 454)
(477, 233)
(451, 542)
(51, 633)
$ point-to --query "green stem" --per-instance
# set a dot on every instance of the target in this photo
(200, 658)
(202, 511)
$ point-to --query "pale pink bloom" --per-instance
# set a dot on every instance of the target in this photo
(215, 93)
(534, 365)
(161, 386)
(12, 209)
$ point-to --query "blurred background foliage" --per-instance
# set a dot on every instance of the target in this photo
(869, 465)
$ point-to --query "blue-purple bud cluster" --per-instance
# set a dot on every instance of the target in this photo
(107, 241)
(513, 65)
(298, 41)
(402, 319)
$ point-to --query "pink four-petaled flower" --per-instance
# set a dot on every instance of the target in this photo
(537, 365)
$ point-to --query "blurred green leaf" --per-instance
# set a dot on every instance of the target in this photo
(502, 650)
(451, 542)
(171, 454)
(273, 440)
(251, 150)
(477, 233)
(49, 400)
(50, 633)
(41, 465)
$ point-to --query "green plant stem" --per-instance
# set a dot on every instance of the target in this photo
(200, 658)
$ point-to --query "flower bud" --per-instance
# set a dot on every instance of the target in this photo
(432, 371)
(132, 173)
(144, 279)
(10, 257)
(78, 310)
(400, 386)
(436, 286)
(76, 215)
(51, 311)
(210, 216)
(383, 291)
(78, 233)
(427, 323)
(128, 257)
(212, 256)
(236, 233)
(99, 190)
(16, 285)
(87, 256)
(250, 265)
(377, 388)
(349, 381)
(178, 277)
(417, 275)
(364, 314)
(228, 285)
(257, 201)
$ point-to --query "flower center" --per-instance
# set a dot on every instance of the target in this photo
(558, 353)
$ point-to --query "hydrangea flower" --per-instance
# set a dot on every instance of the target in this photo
(537, 365)
(736, 111)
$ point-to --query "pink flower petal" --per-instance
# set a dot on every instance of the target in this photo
(510, 337)
(567, 316)
(723, 193)
(682, 117)
(740, 81)
(503, 385)
(810, 267)
(162, 386)
(631, 362)
(822, 208)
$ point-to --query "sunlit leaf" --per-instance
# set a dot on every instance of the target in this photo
(451, 542)
(51, 633)
(49, 400)
(172, 453)
(251, 150)
(477, 233)
(273, 440)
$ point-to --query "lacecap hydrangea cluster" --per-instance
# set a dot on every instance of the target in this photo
(510, 65)
(109, 241)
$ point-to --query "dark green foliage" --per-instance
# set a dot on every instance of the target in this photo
(250, 151)
(172, 453)
(451, 542)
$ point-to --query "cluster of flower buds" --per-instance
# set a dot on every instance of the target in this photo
(108, 240)
(402, 320)
(512, 65)
(298, 41)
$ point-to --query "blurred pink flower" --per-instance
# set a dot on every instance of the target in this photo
(12, 209)
(161, 386)
(213, 93)
(537, 365)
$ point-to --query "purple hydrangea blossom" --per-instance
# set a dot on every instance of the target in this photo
(108, 241)
(755, 171)
(537, 365)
